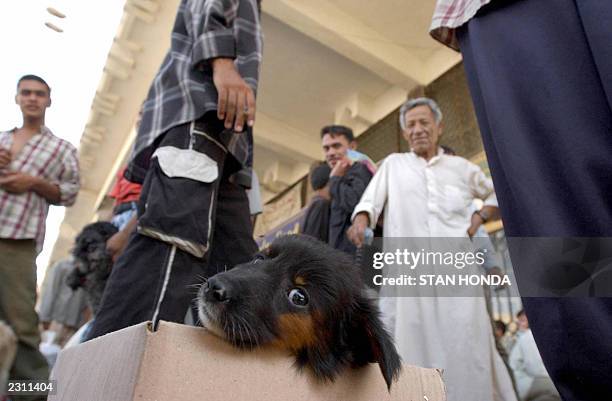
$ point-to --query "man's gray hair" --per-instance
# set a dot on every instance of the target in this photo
(419, 101)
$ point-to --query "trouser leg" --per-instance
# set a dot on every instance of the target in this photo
(232, 241)
(17, 301)
(543, 110)
(185, 225)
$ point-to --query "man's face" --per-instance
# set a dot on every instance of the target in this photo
(523, 323)
(33, 98)
(335, 148)
(422, 132)
(498, 333)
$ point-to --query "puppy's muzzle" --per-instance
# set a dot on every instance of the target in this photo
(217, 290)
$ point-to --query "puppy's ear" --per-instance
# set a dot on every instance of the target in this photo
(370, 341)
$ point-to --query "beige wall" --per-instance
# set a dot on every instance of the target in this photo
(325, 61)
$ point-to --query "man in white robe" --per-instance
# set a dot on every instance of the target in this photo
(426, 193)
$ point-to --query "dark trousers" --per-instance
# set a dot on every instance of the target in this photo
(155, 279)
(540, 76)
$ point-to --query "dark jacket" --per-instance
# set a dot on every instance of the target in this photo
(345, 192)
(316, 222)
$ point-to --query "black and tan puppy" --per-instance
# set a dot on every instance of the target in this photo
(92, 262)
(305, 297)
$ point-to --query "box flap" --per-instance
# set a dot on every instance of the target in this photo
(187, 363)
(102, 369)
(183, 363)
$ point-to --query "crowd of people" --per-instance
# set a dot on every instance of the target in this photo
(182, 203)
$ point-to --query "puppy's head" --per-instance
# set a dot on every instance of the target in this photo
(91, 257)
(305, 297)
(92, 263)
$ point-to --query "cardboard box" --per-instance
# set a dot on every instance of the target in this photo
(179, 362)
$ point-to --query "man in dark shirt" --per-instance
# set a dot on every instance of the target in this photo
(347, 182)
(316, 222)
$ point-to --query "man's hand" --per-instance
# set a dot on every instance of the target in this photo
(487, 213)
(236, 101)
(495, 271)
(5, 158)
(116, 244)
(476, 222)
(17, 183)
(356, 233)
(341, 167)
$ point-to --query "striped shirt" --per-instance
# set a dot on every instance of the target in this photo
(450, 14)
(183, 89)
(22, 216)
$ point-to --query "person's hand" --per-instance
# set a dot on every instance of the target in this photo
(497, 271)
(236, 101)
(341, 167)
(16, 182)
(5, 158)
(475, 223)
(356, 232)
(116, 244)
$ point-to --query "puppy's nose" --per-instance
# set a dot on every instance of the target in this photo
(217, 291)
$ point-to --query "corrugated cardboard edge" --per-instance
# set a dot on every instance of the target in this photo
(167, 347)
(78, 371)
(432, 384)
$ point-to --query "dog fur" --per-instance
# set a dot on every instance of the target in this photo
(92, 262)
(304, 297)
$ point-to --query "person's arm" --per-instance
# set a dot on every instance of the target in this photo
(346, 190)
(481, 187)
(51, 192)
(48, 295)
(479, 217)
(316, 222)
(356, 232)
(236, 101)
(5, 157)
(18, 183)
(215, 30)
(370, 206)
(215, 49)
(67, 183)
(116, 244)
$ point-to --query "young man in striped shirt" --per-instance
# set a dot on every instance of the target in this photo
(36, 169)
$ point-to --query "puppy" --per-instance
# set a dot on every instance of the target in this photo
(92, 262)
(304, 297)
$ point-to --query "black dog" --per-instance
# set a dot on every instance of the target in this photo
(305, 297)
(92, 262)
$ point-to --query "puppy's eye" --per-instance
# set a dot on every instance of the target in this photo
(298, 297)
(258, 258)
